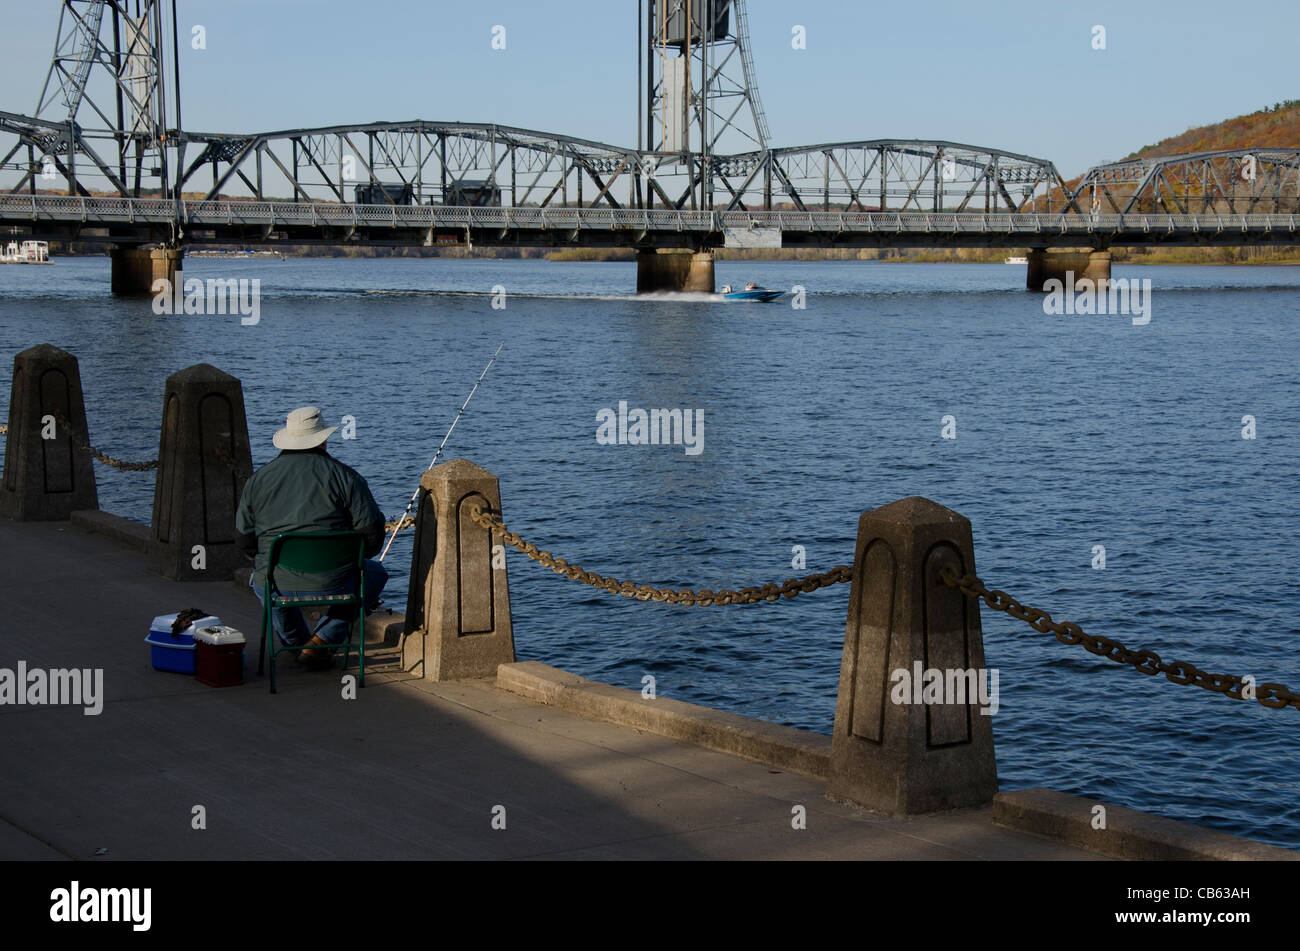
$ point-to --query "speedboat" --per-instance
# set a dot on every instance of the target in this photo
(752, 292)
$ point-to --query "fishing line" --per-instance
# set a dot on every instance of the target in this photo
(398, 526)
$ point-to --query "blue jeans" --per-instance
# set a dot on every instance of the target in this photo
(291, 627)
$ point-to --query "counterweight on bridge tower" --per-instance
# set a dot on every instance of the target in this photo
(701, 91)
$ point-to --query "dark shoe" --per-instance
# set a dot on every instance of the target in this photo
(312, 659)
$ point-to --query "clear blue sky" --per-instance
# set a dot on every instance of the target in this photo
(1014, 74)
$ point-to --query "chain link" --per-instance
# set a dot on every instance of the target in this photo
(1271, 695)
(101, 456)
(222, 455)
(645, 592)
(399, 524)
(219, 451)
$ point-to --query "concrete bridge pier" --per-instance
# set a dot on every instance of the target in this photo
(134, 269)
(1045, 266)
(674, 271)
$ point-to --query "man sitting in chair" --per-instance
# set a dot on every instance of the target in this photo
(305, 489)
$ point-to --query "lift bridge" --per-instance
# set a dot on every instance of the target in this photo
(105, 158)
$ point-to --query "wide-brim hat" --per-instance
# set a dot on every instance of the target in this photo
(303, 429)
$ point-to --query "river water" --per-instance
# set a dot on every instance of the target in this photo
(1071, 432)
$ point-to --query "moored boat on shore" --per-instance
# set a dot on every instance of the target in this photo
(29, 252)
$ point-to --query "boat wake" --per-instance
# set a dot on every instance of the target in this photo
(657, 296)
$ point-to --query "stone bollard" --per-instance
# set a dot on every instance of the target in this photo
(891, 750)
(47, 475)
(464, 625)
(203, 462)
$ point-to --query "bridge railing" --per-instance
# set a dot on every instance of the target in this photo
(93, 211)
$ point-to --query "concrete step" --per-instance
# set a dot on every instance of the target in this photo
(770, 743)
(1125, 833)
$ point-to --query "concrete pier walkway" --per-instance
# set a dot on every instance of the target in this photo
(409, 770)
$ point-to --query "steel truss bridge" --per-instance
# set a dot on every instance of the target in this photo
(299, 186)
(105, 157)
(1241, 181)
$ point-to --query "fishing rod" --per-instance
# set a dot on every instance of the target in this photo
(398, 526)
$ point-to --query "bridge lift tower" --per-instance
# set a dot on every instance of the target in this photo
(701, 96)
(104, 118)
(105, 87)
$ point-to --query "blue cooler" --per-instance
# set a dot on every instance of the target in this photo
(174, 653)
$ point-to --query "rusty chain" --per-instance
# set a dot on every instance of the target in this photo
(101, 456)
(645, 592)
(399, 524)
(220, 452)
(1275, 696)
(1272, 695)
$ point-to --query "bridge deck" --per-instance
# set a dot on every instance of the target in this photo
(259, 222)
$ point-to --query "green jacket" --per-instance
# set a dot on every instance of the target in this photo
(305, 491)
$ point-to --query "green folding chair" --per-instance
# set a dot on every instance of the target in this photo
(315, 553)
